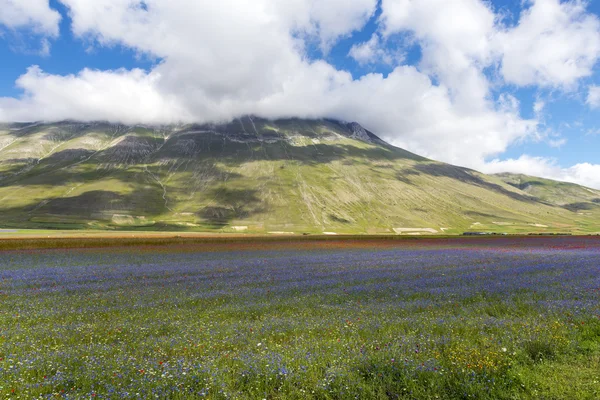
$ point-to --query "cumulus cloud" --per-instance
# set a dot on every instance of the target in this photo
(220, 60)
(461, 27)
(456, 42)
(367, 52)
(375, 51)
(32, 14)
(330, 19)
(126, 96)
(555, 44)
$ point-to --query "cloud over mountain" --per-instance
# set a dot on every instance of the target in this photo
(221, 59)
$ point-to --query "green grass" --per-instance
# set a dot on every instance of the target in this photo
(316, 180)
(424, 324)
(549, 190)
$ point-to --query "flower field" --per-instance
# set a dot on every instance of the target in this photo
(502, 318)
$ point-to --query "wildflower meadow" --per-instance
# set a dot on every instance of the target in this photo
(506, 318)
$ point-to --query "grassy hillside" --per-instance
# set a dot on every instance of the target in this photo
(568, 195)
(260, 176)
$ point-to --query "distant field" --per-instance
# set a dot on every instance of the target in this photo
(196, 241)
(21, 239)
(448, 318)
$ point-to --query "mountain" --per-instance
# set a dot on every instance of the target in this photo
(567, 195)
(255, 175)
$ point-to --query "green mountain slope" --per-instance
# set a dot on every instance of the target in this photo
(568, 195)
(254, 175)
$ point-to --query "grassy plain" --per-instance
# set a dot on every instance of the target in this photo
(486, 318)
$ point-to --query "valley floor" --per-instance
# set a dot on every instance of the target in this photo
(23, 239)
(178, 318)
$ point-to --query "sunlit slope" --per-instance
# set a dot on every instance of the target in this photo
(576, 198)
(559, 193)
(253, 175)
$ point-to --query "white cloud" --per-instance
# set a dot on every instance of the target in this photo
(367, 52)
(424, 118)
(593, 98)
(462, 26)
(555, 44)
(538, 106)
(127, 96)
(374, 51)
(456, 41)
(557, 143)
(226, 58)
(334, 18)
(162, 24)
(33, 14)
(583, 174)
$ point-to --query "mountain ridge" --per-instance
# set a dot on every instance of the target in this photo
(255, 175)
(565, 194)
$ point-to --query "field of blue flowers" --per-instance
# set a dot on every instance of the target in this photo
(447, 322)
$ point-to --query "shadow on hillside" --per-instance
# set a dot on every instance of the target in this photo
(98, 205)
(234, 152)
(32, 171)
(232, 204)
(525, 185)
(196, 148)
(202, 178)
(479, 214)
(147, 201)
(59, 169)
(582, 206)
(60, 159)
(403, 176)
(129, 151)
(339, 220)
(15, 166)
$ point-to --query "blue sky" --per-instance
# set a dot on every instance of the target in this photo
(69, 54)
(456, 81)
